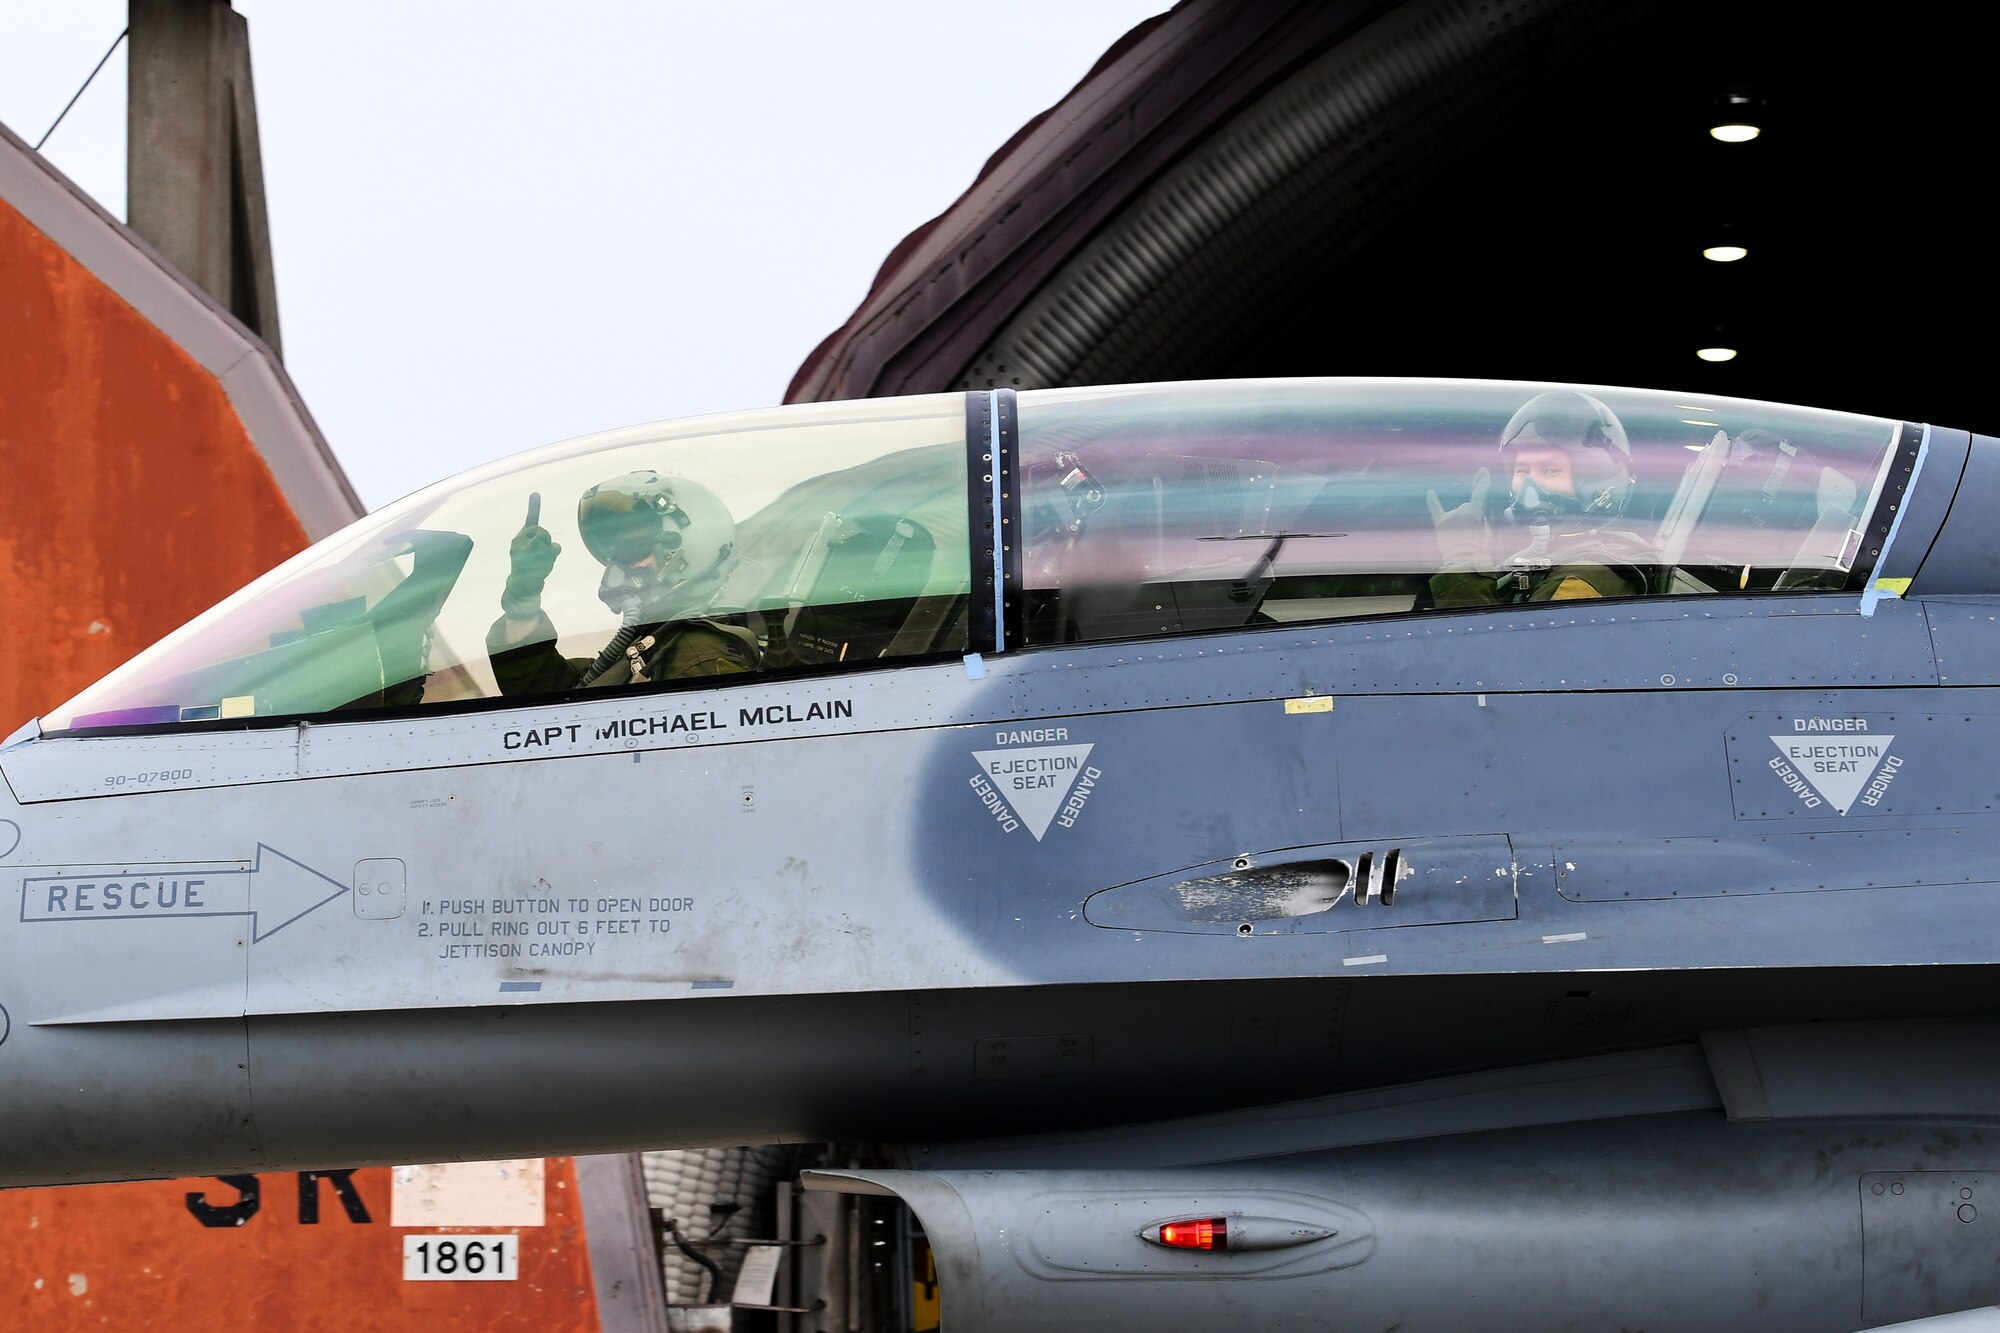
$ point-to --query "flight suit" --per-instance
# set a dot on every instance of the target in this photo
(1562, 583)
(679, 650)
(1601, 565)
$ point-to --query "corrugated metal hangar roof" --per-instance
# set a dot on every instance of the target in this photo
(1507, 188)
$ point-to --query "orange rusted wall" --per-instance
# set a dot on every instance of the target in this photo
(131, 497)
(135, 1257)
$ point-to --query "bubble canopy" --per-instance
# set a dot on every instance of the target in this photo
(830, 536)
(849, 529)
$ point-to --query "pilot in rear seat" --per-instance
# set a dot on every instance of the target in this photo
(666, 544)
(1560, 537)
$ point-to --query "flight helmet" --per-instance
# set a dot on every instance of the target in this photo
(1600, 456)
(666, 543)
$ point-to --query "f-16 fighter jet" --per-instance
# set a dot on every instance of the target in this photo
(1338, 853)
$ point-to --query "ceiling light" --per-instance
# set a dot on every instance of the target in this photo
(1736, 117)
(1690, 421)
(1724, 240)
(1716, 353)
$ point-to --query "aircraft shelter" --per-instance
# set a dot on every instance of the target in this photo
(1526, 190)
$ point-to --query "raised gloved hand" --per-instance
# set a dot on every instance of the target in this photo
(531, 555)
(1465, 538)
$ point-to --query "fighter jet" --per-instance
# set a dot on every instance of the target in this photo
(1308, 853)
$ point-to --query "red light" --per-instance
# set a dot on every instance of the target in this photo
(1203, 1233)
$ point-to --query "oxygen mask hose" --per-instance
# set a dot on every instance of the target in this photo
(1535, 555)
(1517, 575)
(628, 630)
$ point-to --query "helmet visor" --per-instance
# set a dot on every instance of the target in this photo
(623, 528)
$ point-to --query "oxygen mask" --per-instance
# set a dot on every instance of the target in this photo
(1533, 505)
(627, 589)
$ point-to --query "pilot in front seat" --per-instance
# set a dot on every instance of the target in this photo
(666, 544)
(1560, 537)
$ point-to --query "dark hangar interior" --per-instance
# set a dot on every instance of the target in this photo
(1518, 189)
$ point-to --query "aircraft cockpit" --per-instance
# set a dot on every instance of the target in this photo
(815, 537)
(833, 536)
(1181, 509)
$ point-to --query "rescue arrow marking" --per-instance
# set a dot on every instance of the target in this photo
(280, 892)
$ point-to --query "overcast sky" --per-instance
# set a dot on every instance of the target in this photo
(503, 223)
